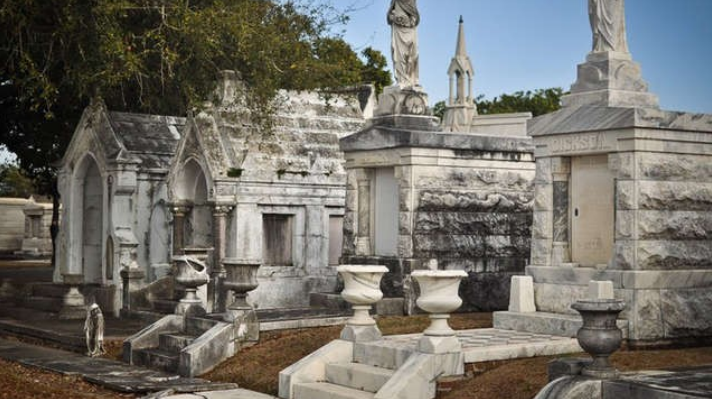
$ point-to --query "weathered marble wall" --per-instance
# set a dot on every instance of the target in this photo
(475, 219)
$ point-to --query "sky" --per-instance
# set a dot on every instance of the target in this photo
(531, 44)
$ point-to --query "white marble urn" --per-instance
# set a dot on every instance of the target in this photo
(362, 288)
(439, 297)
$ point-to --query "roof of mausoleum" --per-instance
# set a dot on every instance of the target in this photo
(151, 139)
(592, 118)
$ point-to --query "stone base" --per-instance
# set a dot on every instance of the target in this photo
(361, 333)
(190, 308)
(246, 324)
(411, 101)
(72, 313)
(610, 79)
(439, 345)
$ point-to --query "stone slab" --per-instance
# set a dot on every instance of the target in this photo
(556, 324)
(108, 373)
(227, 394)
(694, 383)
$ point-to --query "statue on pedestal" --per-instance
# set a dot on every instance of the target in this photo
(608, 25)
(404, 18)
(94, 331)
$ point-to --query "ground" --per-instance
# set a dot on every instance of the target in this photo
(257, 367)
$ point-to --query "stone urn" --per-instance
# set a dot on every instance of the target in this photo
(362, 288)
(73, 300)
(241, 278)
(600, 336)
(439, 297)
(190, 274)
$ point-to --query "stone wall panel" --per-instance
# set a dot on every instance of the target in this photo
(675, 225)
(475, 179)
(474, 201)
(670, 255)
(656, 166)
(685, 313)
(688, 196)
(473, 223)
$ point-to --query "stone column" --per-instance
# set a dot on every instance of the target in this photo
(627, 211)
(179, 213)
(132, 278)
(216, 295)
(542, 228)
(363, 239)
(561, 249)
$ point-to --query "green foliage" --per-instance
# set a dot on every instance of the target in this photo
(375, 69)
(539, 102)
(439, 109)
(155, 56)
(14, 182)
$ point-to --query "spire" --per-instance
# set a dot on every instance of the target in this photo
(461, 49)
(461, 105)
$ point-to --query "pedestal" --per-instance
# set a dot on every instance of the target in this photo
(132, 280)
(439, 297)
(361, 289)
(73, 306)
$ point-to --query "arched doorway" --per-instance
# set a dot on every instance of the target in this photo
(193, 189)
(88, 221)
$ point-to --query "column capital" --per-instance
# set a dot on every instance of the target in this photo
(222, 209)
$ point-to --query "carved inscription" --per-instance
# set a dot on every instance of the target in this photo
(579, 143)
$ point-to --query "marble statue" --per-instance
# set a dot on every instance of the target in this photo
(404, 18)
(608, 25)
(94, 331)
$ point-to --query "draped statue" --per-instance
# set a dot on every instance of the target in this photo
(608, 25)
(404, 18)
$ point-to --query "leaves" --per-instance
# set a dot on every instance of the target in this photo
(156, 56)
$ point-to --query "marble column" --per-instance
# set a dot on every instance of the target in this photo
(179, 213)
(363, 239)
(218, 273)
(561, 249)
(542, 227)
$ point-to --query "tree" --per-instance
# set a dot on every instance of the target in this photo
(539, 102)
(439, 109)
(374, 71)
(14, 182)
(153, 56)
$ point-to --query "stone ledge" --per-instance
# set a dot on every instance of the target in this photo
(562, 325)
(622, 279)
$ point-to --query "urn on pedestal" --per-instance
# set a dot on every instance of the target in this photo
(362, 288)
(600, 336)
(439, 297)
(241, 278)
(190, 274)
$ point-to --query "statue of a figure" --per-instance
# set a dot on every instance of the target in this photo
(94, 331)
(608, 25)
(404, 18)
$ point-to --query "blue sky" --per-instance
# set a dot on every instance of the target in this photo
(530, 44)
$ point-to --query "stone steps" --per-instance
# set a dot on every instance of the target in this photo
(197, 326)
(174, 342)
(382, 354)
(358, 376)
(324, 390)
(49, 290)
(159, 359)
(43, 303)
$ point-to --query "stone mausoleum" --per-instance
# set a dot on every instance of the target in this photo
(275, 194)
(456, 196)
(112, 181)
(623, 194)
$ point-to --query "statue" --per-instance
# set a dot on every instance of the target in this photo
(404, 18)
(94, 331)
(608, 25)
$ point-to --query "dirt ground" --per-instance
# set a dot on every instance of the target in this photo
(257, 367)
(17, 382)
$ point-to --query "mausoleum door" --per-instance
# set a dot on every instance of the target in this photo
(592, 210)
(385, 212)
(92, 231)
